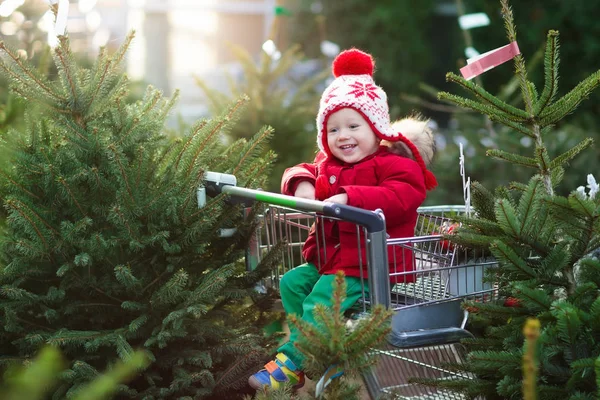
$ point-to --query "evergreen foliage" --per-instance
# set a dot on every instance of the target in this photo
(545, 245)
(105, 250)
(34, 381)
(279, 99)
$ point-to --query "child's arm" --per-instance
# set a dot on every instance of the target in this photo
(299, 179)
(400, 192)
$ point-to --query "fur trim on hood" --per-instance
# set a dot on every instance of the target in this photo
(417, 130)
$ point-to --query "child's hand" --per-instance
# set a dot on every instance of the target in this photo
(305, 190)
(341, 198)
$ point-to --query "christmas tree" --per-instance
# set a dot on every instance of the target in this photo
(104, 248)
(546, 245)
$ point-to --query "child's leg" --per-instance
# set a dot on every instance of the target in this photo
(321, 294)
(287, 366)
(294, 287)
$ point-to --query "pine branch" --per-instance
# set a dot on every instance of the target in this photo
(568, 323)
(123, 220)
(529, 205)
(172, 291)
(120, 54)
(510, 112)
(11, 204)
(117, 158)
(5, 175)
(196, 183)
(370, 331)
(263, 135)
(551, 61)
(212, 284)
(544, 165)
(231, 373)
(196, 129)
(493, 114)
(483, 201)
(512, 158)
(64, 183)
(586, 208)
(16, 204)
(106, 67)
(149, 105)
(110, 66)
(520, 69)
(125, 277)
(512, 260)
(28, 72)
(257, 175)
(535, 300)
(480, 225)
(251, 72)
(110, 382)
(557, 260)
(78, 130)
(169, 104)
(222, 121)
(314, 339)
(532, 90)
(570, 101)
(66, 67)
(570, 154)
(507, 218)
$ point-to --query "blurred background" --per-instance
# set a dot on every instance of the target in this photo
(279, 52)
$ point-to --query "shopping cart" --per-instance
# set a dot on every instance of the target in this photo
(428, 322)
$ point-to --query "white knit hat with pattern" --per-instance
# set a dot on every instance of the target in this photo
(354, 87)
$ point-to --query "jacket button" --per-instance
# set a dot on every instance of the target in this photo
(332, 179)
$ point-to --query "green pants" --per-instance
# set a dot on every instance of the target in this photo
(302, 288)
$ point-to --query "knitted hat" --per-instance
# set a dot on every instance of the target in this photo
(354, 88)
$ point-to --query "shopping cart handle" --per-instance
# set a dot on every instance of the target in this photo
(372, 221)
(216, 183)
(428, 337)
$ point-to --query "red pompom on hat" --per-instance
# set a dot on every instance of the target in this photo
(353, 62)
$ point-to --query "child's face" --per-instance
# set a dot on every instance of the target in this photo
(349, 137)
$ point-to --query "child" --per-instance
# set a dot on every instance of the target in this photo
(352, 168)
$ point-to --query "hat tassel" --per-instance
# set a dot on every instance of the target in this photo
(430, 180)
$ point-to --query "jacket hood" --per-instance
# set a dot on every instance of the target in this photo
(417, 130)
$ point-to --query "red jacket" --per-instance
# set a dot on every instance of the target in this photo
(384, 180)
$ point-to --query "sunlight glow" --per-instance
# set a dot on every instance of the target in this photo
(8, 6)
